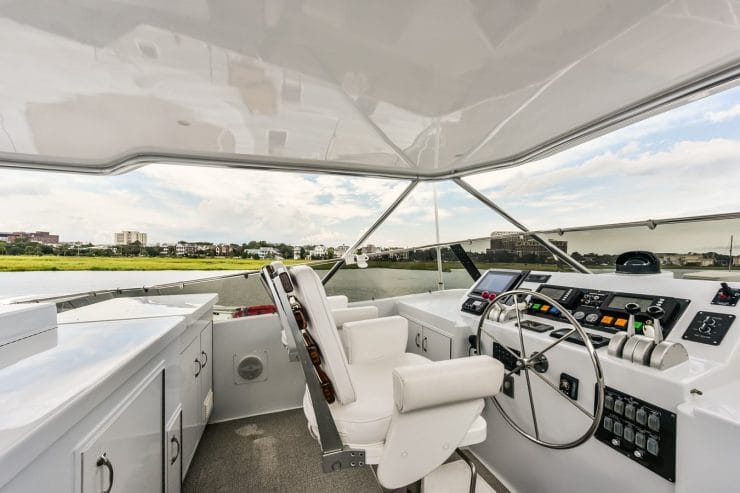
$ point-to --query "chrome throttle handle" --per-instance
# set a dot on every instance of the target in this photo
(632, 309)
(657, 312)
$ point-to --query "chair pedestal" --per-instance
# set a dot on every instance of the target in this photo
(453, 477)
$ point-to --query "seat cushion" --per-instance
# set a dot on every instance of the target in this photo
(365, 421)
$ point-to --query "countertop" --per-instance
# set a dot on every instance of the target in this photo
(190, 306)
(441, 307)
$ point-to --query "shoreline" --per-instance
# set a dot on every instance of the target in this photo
(49, 263)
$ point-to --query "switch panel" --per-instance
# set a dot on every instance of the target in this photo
(641, 431)
(709, 327)
(505, 357)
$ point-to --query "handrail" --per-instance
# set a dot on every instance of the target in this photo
(62, 298)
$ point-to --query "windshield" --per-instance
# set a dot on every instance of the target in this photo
(167, 217)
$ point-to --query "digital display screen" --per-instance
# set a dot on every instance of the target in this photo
(620, 301)
(554, 293)
(495, 282)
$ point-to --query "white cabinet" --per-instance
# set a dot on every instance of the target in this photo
(413, 344)
(206, 372)
(436, 346)
(196, 373)
(173, 441)
(428, 342)
(190, 399)
(124, 452)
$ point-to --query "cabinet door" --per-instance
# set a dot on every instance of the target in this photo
(125, 453)
(206, 373)
(190, 398)
(413, 344)
(173, 441)
(436, 346)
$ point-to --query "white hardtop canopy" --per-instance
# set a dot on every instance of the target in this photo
(412, 89)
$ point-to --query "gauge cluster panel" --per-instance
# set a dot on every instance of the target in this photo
(604, 310)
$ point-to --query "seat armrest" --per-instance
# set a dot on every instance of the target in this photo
(446, 382)
(369, 340)
(344, 315)
(337, 301)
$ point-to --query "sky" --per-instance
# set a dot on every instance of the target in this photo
(680, 163)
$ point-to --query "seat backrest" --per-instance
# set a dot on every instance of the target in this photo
(309, 291)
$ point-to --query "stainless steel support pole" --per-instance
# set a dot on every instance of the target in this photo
(383, 217)
(536, 237)
(334, 268)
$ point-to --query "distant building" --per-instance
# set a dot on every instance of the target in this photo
(263, 252)
(38, 237)
(318, 251)
(296, 253)
(223, 250)
(689, 259)
(129, 237)
(340, 251)
(521, 245)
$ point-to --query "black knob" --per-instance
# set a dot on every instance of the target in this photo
(632, 308)
(656, 312)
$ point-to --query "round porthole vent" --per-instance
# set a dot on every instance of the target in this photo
(250, 367)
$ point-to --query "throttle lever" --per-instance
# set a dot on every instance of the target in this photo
(657, 312)
(619, 340)
(632, 309)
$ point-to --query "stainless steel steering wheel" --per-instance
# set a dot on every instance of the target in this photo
(529, 364)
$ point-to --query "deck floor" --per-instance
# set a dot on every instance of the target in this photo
(273, 453)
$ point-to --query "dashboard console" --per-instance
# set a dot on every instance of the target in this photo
(604, 310)
(646, 404)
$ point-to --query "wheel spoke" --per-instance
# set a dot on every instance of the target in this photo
(557, 341)
(519, 325)
(568, 399)
(531, 404)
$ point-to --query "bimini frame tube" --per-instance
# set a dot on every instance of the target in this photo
(371, 229)
(536, 237)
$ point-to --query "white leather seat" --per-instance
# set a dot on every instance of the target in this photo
(408, 413)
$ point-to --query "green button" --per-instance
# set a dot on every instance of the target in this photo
(638, 325)
(536, 306)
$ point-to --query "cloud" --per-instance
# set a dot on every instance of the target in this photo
(724, 115)
(189, 203)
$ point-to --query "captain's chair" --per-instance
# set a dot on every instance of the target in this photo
(398, 410)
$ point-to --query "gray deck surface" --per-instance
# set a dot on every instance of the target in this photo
(273, 452)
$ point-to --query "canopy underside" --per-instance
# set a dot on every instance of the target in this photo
(417, 89)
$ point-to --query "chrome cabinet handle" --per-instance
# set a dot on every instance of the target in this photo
(177, 454)
(424, 344)
(200, 367)
(206, 358)
(104, 461)
(417, 340)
